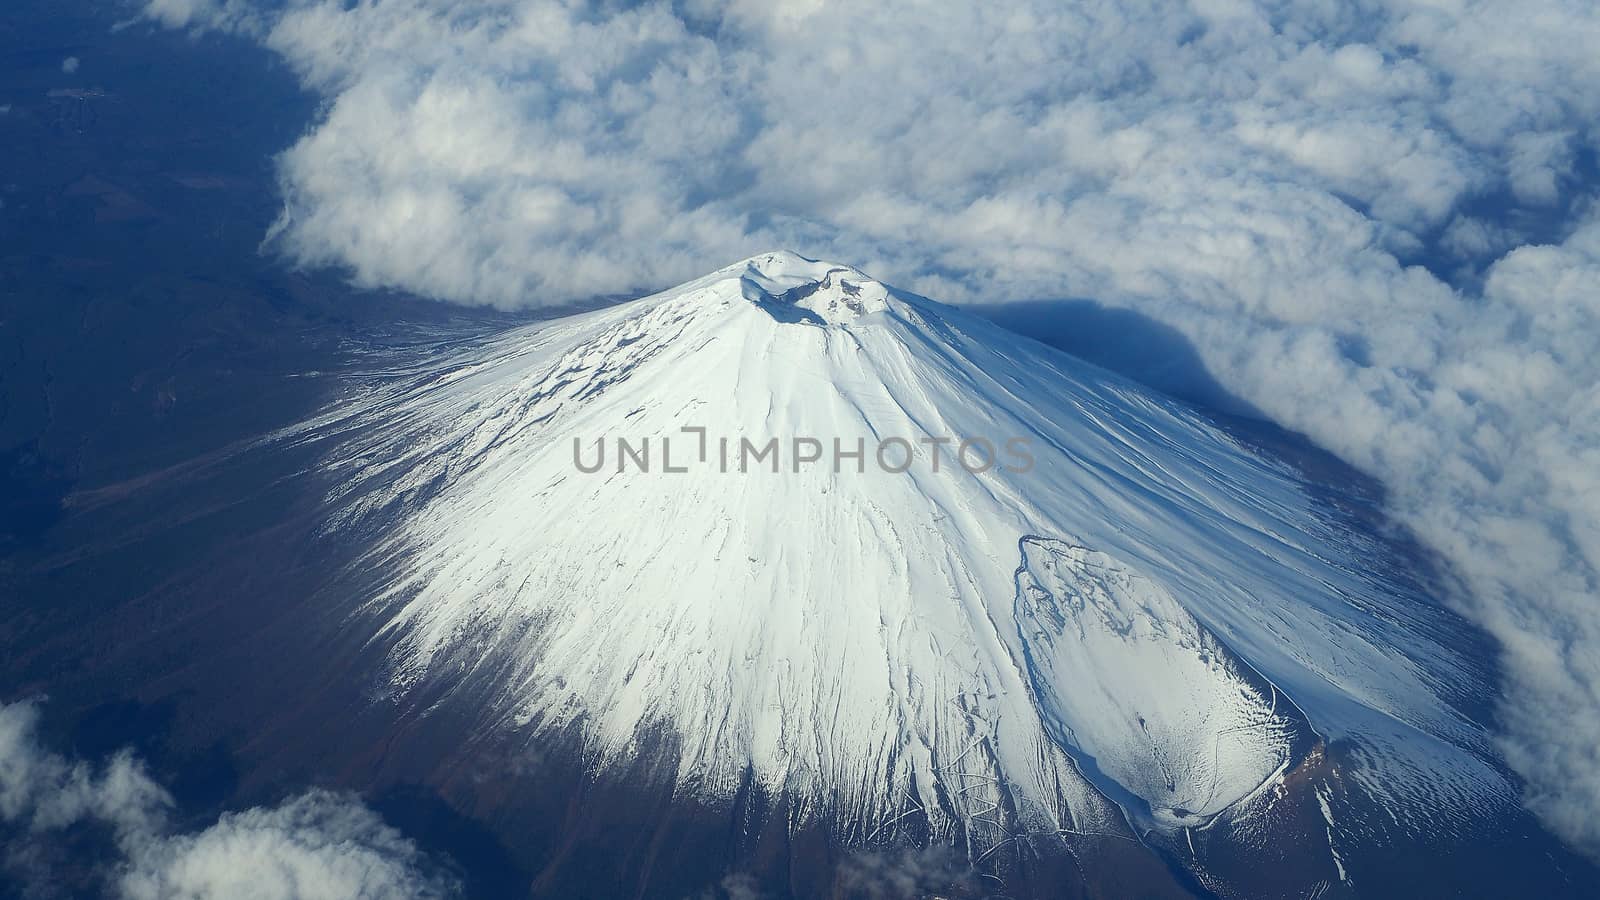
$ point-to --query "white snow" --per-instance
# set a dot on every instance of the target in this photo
(1140, 607)
(1191, 734)
(1333, 848)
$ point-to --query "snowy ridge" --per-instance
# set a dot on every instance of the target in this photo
(1148, 614)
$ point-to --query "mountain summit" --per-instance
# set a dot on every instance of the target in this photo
(929, 581)
(833, 293)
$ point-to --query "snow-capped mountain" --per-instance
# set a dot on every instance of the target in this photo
(932, 582)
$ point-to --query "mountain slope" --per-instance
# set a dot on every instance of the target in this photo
(1099, 616)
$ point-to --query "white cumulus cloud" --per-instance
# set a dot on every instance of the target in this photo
(314, 846)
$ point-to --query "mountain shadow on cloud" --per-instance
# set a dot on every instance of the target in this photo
(1123, 341)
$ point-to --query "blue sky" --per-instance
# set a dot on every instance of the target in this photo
(1375, 220)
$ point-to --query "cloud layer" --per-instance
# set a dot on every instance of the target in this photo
(1374, 220)
(314, 846)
